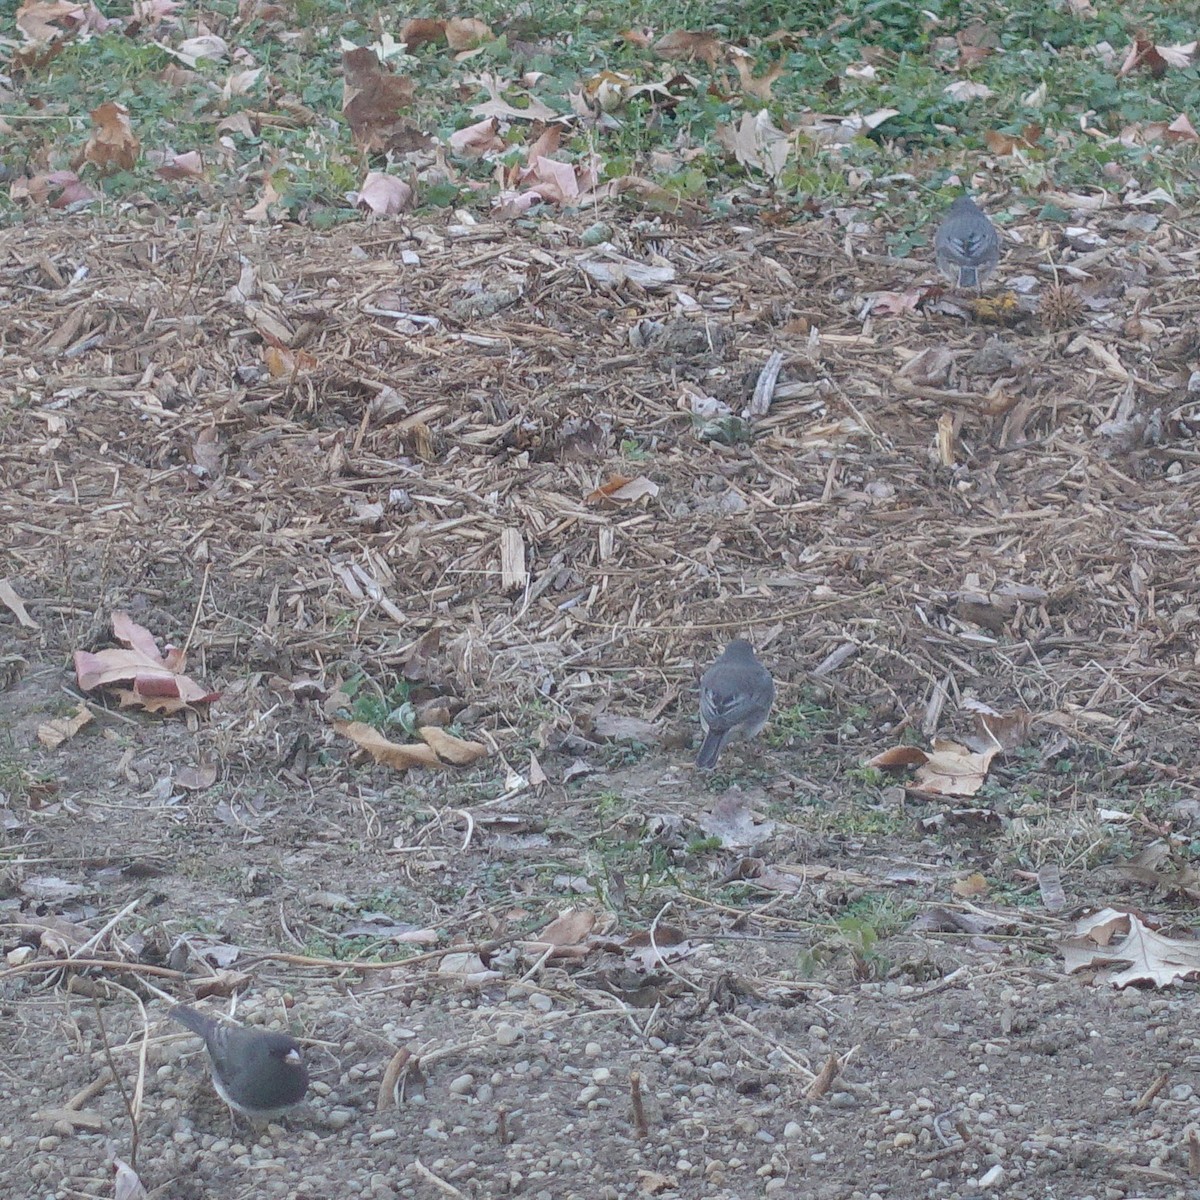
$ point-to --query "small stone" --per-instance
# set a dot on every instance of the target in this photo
(462, 1085)
(507, 1035)
(902, 1141)
(793, 1130)
(593, 1049)
(540, 1002)
(992, 1178)
(339, 1118)
(378, 1136)
(601, 1075)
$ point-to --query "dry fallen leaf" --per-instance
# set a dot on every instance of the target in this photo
(191, 51)
(757, 143)
(391, 754)
(467, 966)
(465, 33)
(420, 31)
(998, 731)
(182, 166)
(283, 363)
(451, 749)
(113, 143)
(970, 886)
(691, 46)
(497, 106)
(43, 21)
(567, 935)
(385, 195)
(372, 100)
(947, 770)
(1110, 937)
(1002, 144)
(52, 734)
(13, 602)
(757, 86)
(732, 822)
(623, 489)
(158, 682)
(479, 139)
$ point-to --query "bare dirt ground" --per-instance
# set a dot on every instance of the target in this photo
(857, 991)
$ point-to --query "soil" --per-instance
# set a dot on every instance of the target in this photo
(821, 982)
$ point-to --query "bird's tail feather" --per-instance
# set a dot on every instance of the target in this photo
(196, 1022)
(710, 749)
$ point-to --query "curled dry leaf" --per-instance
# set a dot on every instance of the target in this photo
(759, 87)
(113, 143)
(52, 734)
(42, 21)
(999, 731)
(385, 195)
(207, 47)
(451, 749)
(468, 966)
(623, 489)
(126, 1184)
(465, 33)
(182, 166)
(567, 934)
(1143, 55)
(260, 211)
(158, 682)
(690, 46)
(964, 90)
(283, 363)
(947, 770)
(390, 754)
(420, 31)
(14, 603)
(479, 139)
(757, 143)
(1002, 144)
(732, 822)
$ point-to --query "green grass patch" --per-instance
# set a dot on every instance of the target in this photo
(1048, 68)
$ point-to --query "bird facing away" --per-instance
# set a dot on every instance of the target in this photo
(967, 244)
(256, 1073)
(736, 694)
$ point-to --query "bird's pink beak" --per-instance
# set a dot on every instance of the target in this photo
(293, 1057)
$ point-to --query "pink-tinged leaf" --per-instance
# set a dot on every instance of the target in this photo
(385, 195)
(182, 166)
(154, 677)
(479, 139)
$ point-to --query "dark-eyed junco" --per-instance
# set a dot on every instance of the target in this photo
(967, 244)
(736, 694)
(257, 1073)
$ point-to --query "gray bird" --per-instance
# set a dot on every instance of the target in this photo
(736, 694)
(257, 1073)
(967, 244)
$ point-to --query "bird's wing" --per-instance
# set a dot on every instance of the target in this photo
(726, 702)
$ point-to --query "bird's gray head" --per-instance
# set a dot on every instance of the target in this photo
(739, 648)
